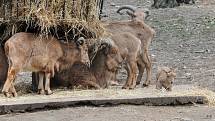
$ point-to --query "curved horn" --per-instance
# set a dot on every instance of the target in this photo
(131, 14)
(104, 45)
(80, 41)
(147, 12)
(128, 7)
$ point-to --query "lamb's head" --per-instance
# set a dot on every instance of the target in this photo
(165, 78)
(135, 13)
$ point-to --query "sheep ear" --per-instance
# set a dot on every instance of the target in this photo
(173, 69)
(113, 50)
(147, 13)
(131, 14)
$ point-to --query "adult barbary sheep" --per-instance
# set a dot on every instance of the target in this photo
(165, 77)
(29, 52)
(137, 27)
(124, 47)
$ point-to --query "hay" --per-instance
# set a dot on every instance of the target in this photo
(66, 19)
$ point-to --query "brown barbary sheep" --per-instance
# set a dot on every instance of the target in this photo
(125, 47)
(137, 27)
(3, 66)
(77, 76)
(45, 55)
(165, 77)
(95, 77)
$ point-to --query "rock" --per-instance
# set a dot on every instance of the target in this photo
(112, 4)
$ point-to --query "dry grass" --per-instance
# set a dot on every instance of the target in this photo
(73, 16)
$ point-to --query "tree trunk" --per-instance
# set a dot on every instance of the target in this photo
(165, 3)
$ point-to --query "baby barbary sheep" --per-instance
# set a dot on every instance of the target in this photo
(165, 77)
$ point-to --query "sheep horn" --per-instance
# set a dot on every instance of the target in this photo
(128, 7)
(104, 45)
(147, 12)
(80, 41)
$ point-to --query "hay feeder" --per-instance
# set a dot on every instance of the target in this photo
(64, 19)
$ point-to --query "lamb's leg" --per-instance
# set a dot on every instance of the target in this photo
(47, 84)
(41, 82)
(158, 85)
(9, 82)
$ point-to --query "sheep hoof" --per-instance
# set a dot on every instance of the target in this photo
(7, 94)
(145, 85)
(14, 94)
(41, 91)
(138, 82)
(125, 87)
(48, 92)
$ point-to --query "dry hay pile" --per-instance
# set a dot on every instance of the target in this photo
(65, 19)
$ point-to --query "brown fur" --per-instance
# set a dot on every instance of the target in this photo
(100, 70)
(97, 76)
(76, 76)
(28, 52)
(3, 66)
(127, 47)
(144, 32)
(165, 77)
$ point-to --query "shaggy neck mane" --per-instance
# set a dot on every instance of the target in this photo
(64, 62)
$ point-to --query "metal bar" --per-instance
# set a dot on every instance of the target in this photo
(4, 13)
(30, 4)
(64, 5)
(17, 10)
(101, 4)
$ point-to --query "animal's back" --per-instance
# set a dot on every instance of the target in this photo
(126, 40)
(141, 30)
(32, 52)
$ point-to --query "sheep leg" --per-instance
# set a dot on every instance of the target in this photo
(47, 84)
(147, 61)
(158, 85)
(134, 75)
(9, 82)
(13, 90)
(141, 68)
(40, 84)
(129, 78)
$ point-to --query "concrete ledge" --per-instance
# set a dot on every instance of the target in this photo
(107, 97)
(25, 106)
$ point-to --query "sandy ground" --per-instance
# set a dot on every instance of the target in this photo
(119, 113)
